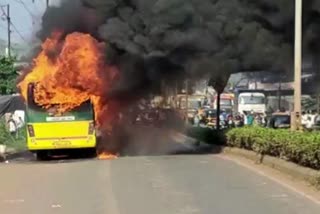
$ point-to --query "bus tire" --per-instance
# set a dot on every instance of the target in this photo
(92, 153)
(42, 155)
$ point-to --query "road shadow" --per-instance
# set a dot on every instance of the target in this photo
(63, 156)
(131, 141)
(202, 149)
(151, 141)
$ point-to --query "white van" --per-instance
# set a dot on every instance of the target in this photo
(252, 101)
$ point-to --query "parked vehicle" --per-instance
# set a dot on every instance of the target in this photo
(279, 120)
(226, 101)
(252, 102)
(211, 117)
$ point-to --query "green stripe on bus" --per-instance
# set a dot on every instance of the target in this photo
(41, 116)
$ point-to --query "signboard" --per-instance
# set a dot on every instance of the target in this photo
(60, 119)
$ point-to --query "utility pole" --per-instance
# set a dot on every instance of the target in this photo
(176, 95)
(47, 3)
(318, 103)
(9, 30)
(296, 115)
(187, 101)
(7, 14)
(218, 110)
(279, 96)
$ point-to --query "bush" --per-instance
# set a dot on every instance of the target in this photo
(18, 143)
(301, 148)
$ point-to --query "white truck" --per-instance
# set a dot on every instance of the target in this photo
(252, 102)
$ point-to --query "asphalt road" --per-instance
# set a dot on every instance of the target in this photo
(178, 184)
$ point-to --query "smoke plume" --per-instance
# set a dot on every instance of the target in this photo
(154, 40)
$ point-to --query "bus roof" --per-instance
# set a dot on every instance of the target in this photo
(252, 93)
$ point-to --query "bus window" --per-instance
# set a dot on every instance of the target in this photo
(84, 107)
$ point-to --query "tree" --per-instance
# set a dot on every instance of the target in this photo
(8, 75)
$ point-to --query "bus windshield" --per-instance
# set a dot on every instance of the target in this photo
(225, 102)
(36, 113)
(194, 104)
(83, 112)
(255, 100)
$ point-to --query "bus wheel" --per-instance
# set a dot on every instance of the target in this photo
(42, 155)
(92, 153)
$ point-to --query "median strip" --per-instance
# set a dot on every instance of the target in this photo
(294, 153)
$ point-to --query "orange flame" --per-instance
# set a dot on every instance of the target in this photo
(68, 72)
(107, 156)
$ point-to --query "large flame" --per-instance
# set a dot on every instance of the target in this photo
(68, 72)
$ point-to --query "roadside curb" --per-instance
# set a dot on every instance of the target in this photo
(9, 152)
(293, 170)
(297, 172)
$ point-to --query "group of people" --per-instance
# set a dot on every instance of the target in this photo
(15, 121)
(310, 119)
(228, 119)
(251, 118)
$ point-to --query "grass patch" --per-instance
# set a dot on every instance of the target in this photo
(17, 143)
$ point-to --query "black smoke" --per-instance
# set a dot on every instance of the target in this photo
(154, 40)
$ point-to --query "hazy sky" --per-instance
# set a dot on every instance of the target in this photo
(25, 17)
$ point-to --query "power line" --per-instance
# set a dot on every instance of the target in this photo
(17, 31)
(7, 15)
(35, 6)
(11, 24)
(26, 8)
(3, 27)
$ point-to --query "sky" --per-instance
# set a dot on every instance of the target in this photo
(25, 17)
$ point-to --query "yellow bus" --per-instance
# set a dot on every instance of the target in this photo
(48, 133)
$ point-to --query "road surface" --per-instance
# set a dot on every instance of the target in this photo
(177, 184)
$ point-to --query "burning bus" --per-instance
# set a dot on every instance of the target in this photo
(64, 94)
(49, 130)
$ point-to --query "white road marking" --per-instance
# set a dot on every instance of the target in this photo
(260, 172)
(204, 162)
(262, 184)
(56, 206)
(280, 196)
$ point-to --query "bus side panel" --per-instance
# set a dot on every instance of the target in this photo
(61, 135)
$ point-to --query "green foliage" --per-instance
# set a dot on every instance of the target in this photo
(316, 182)
(8, 75)
(18, 143)
(299, 147)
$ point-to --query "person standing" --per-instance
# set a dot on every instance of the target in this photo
(250, 119)
(245, 118)
(304, 119)
(12, 127)
(196, 119)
